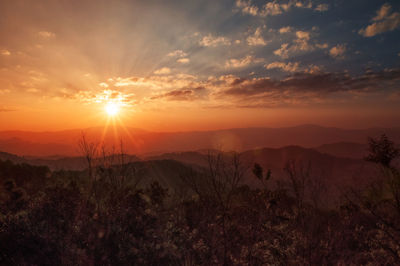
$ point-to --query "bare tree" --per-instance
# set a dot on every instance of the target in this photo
(215, 190)
(90, 151)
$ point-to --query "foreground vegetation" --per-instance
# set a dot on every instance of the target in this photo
(110, 215)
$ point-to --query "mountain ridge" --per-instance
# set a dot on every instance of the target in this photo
(137, 141)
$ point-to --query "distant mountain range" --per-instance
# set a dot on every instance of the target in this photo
(335, 156)
(335, 141)
(345, 149)
(335, 173)
(56, 162)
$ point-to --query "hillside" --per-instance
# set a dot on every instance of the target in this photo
(344, 149)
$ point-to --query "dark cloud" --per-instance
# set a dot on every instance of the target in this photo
(176, 95)
(184, 94)
(301, 88)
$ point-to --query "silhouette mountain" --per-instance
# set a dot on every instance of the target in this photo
(344, 149)
(138, 141)
(335, 173)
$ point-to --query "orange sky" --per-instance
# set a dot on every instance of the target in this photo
(178, 67)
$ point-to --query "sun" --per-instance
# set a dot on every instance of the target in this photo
(112, 108)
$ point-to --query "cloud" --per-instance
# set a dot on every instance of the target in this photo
(162, 71)
(322, 45)
(174, 87)
(242, 62)
(256, 39)
(302, 43)
(338, 51)
(180, 95)
(322, 7)
(293, 67)
(384, 21)
(285, 29)
(177, 53)
(287, 67)
(46, 34)
(306, 88)
(91, 97)
(211, 41)
(103, 84)
(283, 51)
(274, 8)
(304, 35)
(304, 85)
(5, 52)
(312, 69)
(157, 82)
(183, 60)
(383, 12)
(124, 82)
(247, 8)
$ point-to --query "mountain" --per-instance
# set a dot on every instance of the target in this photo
(194, 158)
(26, 147)
(57, 163)
(4, 156)
(324, 165)
(335, 174)
(344, 149)
(136, 141)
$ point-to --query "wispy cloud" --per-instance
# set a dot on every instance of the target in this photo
(287, 67)
(302, 43)
(156, 82)
(5, 52)
(183, 60)
(105, 96)
(293, 67)
(162, 71)
(46, 34)
(322, 7)
(273, 8)
(177, 53)
(185, 94)
(213, 41)
(242, 62)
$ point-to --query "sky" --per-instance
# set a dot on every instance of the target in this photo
(170, 65)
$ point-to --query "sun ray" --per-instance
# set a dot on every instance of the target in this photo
(131, 138)
(105, 130)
